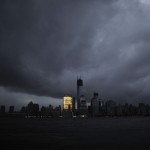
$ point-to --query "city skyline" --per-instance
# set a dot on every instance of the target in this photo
(96, 108)
(45, 45)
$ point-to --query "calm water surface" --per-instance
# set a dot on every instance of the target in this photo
(76, 133)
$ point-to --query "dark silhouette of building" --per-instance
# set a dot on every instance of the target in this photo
(32, 109)
(23, 109)
(83, 106)
(95, 105)
(79, 84)
(46, 111)
(119, 110)
(110, 108)
(57, 112)
(3, 109)
(73, 106)
(142, 109)
(11, 109)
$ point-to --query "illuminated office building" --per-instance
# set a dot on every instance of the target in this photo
(67, 103)
(68, 107)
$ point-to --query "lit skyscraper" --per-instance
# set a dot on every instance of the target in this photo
(67, 103)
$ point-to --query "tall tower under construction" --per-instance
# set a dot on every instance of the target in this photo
(79, 84)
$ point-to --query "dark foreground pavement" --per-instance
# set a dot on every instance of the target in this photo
(76, 133)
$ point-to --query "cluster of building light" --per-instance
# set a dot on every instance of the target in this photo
(68, 102)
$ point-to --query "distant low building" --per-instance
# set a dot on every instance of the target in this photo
(119, 110)
(32, 109)
(142, 109)
(57, 111)
(11, 109)
(110, 108)
(2, 109)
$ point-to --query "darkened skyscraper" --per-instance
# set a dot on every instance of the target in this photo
(79, 84)
(11, 109)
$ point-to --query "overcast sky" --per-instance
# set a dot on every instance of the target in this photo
(46, 44)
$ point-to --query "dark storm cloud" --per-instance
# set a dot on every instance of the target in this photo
(44, 45)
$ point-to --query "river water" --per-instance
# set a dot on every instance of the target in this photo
(76, 133)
